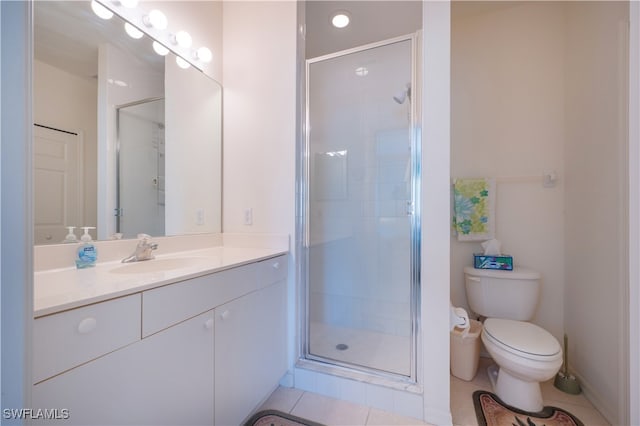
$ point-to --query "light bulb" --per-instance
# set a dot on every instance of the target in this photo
(204, 55)
(182, 63)
(132, 31)
(155, 19)
(182, 39)
(340, 19)
(129, 3)
(362, 71)
(160, 49)
(100, 10)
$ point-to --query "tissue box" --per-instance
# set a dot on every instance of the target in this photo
(484, 261)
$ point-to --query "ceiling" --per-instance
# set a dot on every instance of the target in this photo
(371, 21)
(67, 35)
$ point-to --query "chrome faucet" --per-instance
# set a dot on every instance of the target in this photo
(144, 250)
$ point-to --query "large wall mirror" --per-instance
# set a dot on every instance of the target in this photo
(125, 140)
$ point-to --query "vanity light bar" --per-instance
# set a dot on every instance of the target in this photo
(155, 23)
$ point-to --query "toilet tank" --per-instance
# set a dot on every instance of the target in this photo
(503, 294)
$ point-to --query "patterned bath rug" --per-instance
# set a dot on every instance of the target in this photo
(491, 411)
(278, 418)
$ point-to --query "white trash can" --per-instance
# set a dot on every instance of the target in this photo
(465, 351)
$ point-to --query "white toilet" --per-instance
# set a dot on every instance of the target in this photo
(525, 353)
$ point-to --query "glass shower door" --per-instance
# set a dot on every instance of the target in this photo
(360, 224)
(141, 169)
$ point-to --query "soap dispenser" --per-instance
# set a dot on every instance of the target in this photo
(87, 254)
(71, 236)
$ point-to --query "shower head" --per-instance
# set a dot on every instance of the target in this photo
(401, 96)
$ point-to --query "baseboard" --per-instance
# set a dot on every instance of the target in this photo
(590, 392)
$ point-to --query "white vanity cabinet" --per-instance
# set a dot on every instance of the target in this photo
(205, 351)
(250, 346)
(165, 379)
(68, 339)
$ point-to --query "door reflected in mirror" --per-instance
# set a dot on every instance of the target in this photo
(87, 75)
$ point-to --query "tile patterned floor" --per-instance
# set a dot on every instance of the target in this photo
(334, 412)
(464, 414)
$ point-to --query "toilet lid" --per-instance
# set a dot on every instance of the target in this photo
(522, 336)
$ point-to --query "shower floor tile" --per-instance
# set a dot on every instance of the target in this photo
(370, 349)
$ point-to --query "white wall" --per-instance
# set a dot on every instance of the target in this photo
(435, 272)
(16, 123)
(259, 115)
(259, 110)
(69, 102)
(193, 151)
(596, 182)
(507, 118)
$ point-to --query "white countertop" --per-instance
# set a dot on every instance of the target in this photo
(56, 290)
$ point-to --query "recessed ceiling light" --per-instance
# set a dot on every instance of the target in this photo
(340, 19)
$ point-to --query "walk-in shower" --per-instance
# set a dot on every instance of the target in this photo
(140, 165)
(361, 226)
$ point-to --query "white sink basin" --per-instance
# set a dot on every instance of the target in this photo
(159, 265)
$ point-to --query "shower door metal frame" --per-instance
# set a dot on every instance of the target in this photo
(330, 365)
(118, 209)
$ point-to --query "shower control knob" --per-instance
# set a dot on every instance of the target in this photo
(409, 208)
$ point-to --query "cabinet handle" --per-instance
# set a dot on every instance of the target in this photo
(474, 279)
(208, 324)
(276, 265)
(87, 325)
(225, 315)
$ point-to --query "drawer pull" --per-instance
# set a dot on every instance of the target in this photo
(225, 315)
(87, 325)
(276, 265)
(208, 324)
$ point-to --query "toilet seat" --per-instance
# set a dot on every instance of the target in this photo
(522, 339)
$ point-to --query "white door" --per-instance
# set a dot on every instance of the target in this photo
(57, 183)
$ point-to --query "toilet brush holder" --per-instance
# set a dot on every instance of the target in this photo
(564, 381)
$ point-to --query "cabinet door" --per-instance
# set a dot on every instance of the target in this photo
(250, 352)
(164, 379)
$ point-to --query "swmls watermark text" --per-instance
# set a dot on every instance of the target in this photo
(35, 413)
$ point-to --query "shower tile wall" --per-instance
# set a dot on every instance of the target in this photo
(360, 173)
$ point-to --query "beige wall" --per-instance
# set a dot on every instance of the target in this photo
(541, 86)
(68, 102)
(596, 181)
(508, 121)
